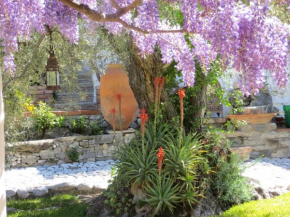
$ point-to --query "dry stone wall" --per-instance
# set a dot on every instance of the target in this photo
(264, 139)
(55, 151)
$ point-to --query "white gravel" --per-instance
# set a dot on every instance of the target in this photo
(39, 180)
(270, 174)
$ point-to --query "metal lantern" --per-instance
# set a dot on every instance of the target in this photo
(52, 71)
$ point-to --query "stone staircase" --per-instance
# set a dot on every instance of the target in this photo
(67, 100)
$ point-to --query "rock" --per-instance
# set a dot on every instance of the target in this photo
(60, 162)
(105, 146)
(63, 187)
(12, 210)
(47, 154)
(138, 195)
(263, 98)
(85, 187)
(208, 206)
(22, 193)
(281, 153)
(30, 160)
(242, 152)
(39, 192)
(10, 193)
(57, 150)
(84, 143)
(269, 127)
(107, 138)
(41, 162)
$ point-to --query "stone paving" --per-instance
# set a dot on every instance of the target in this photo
(41, 180)
(271, 177)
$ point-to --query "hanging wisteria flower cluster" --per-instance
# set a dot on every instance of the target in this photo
(243, 35)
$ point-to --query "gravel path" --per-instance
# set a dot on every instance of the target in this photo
(39, 181)
(271, 177)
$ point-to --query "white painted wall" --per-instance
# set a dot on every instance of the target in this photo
(2, 156)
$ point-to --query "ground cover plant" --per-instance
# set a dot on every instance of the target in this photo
(57, 206)
(278, 206)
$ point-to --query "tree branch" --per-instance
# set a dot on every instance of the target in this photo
(34, 54)
(115, 17)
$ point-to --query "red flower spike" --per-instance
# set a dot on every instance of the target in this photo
(144, 118)
(181, 93)
(162, 82)
(157, 81)
(113, 111)
(119, 96)
(160, 156)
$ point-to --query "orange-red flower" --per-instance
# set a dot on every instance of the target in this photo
(144, 118)
(181, 93)
(113, 112)
(160, 156)
(119, 96)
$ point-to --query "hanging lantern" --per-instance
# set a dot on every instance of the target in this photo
(52, 71)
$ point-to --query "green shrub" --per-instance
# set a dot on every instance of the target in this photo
(43, 118)
(231, 187)
(73, 154)
(60, 121)
(78, 125)
(95, 128)
(118, 198)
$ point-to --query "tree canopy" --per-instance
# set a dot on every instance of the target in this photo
(245, 34)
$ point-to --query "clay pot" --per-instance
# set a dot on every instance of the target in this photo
(252, 118)
(115, 81)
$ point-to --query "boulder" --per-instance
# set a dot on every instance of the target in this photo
(47, 154)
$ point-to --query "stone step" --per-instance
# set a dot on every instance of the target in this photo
(242, 152)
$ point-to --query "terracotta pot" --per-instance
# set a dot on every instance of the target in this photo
(115, 81)
(253, 118)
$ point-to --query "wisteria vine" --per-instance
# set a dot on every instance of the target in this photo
(242, 34)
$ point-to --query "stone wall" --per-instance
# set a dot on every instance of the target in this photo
(264, 139)
(54, 151)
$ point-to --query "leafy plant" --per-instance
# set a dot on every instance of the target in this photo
(78, 125)
(73, 154)
(95, 128)
(60, 121)
(136, 166)
(43, 117)
(162, 194)
(118, 198)
(230, 185)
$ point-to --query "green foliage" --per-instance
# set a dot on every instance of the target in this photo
(162, 194)
(278, 206)
(43, 118)
(67, 206)
(208, 81)
(118, 198)
(95, 128)
(73, 154)
(78, 125)
(60, 121)
(135, 166)
(230, 185)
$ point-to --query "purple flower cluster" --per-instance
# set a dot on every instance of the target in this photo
(244, 36)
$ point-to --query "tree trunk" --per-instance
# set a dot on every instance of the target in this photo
(198, 102)
(2, 156)
(142, 73)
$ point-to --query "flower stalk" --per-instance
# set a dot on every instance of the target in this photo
(119, 98)
(144, 119)
(159, 84)
(181, 94)
(160, 156)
